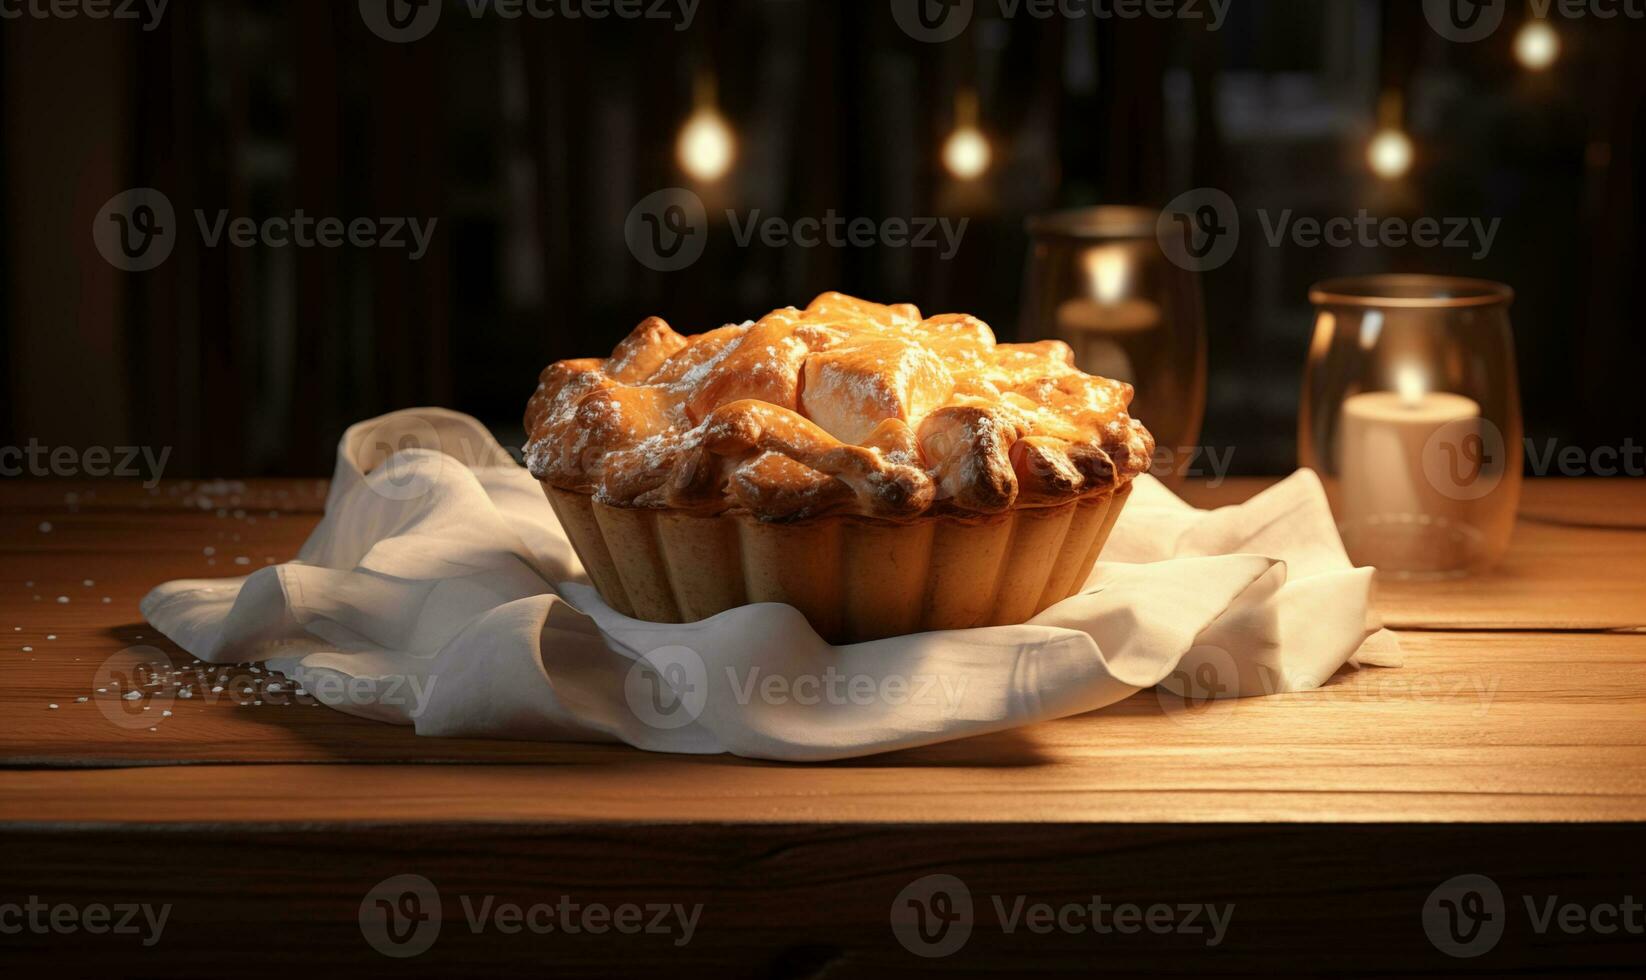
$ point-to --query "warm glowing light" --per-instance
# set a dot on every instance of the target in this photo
(1537, 45)
(1411, 384)
(966, 153)
(1390, 154)
(706, 146)
(1109, 273)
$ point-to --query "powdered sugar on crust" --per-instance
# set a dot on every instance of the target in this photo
(844, 407)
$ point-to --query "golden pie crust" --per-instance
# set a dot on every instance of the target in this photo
(883, 472)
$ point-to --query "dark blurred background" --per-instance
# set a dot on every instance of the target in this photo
(531, 139)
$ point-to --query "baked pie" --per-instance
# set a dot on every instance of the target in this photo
(883, 472)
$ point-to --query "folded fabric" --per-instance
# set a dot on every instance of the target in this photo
(439, 591)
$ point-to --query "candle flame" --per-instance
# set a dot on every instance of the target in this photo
(1411, 385)
(706, 145)
(1537, 45)
(1108, 271)
(966, 153)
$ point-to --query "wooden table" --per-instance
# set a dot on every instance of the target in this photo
(1512, 744)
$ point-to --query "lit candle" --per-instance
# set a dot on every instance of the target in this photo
(1383, 438)
(1097, 325)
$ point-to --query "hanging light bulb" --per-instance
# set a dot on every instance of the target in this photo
(1390, 151)
(966, 152)
(1537, 45)
(706, 146)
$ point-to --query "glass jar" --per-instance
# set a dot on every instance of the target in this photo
(1411, 416)
(1098, 280)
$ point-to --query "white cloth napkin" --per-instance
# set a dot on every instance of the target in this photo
(439, 591)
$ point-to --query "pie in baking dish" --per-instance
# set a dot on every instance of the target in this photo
(883, 472)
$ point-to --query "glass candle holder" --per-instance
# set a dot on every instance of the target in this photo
(1098, 280)
(1411, 416)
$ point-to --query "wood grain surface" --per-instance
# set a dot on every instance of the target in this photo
(1513, 743)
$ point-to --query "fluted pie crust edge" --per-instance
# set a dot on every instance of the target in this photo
(854, 578)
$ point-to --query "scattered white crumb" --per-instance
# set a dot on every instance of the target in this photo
(52, 707)
(133, 695)
(45, 527)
